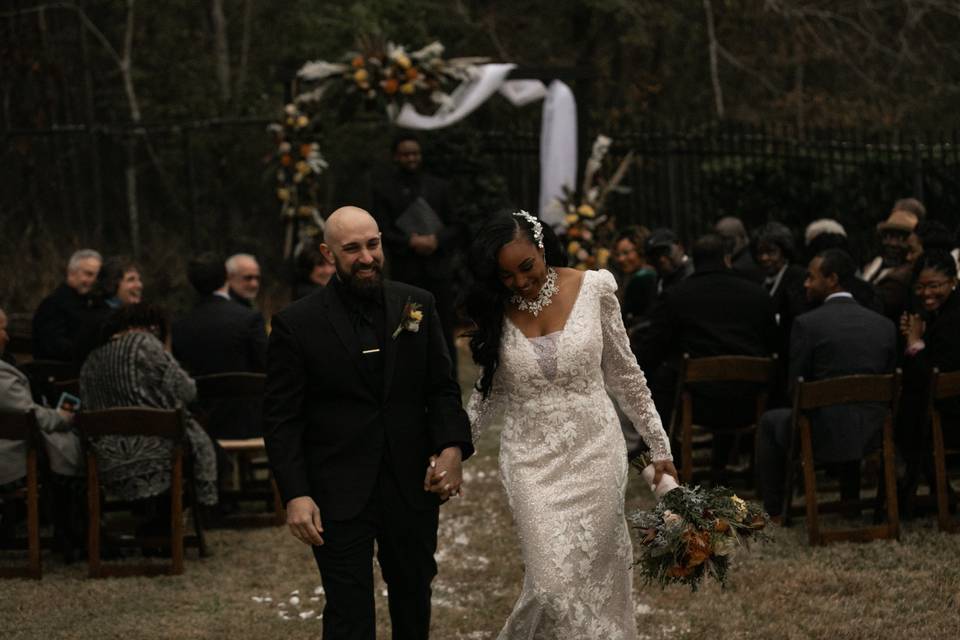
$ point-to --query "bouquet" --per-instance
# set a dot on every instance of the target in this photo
(691, 533)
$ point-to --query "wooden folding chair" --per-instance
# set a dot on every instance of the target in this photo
(943, 386)
(747, 369)
(23, 426)
(855, 389)
(139, 421)
(241, 386)
(44, 375)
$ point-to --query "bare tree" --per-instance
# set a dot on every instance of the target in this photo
(221, 48)
(714, 67)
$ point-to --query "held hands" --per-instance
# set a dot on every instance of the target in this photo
(661, 467)
(445, 474)
(423, 245)
(303, 518)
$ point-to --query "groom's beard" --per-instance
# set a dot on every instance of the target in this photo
(366, 287)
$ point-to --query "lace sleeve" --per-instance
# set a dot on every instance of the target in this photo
(482, 411)
(623, 375)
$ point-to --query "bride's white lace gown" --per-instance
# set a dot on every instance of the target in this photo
(564, 466)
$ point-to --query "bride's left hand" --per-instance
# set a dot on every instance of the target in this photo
(661, 467)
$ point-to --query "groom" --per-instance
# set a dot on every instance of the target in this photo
(359, 397)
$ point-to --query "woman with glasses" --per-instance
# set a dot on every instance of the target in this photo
(932, 340)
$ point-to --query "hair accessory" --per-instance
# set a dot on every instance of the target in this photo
(537, 227)
(544, 298)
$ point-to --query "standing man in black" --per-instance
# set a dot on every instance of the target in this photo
(359, 396)
(423, 260)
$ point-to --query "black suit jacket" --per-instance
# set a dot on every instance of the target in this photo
(711, 313)
(58, 322)
(221, 336)
(392, 194)
(842, 338)
(329, 428)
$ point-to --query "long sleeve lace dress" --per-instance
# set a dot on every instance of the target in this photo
(564, 466)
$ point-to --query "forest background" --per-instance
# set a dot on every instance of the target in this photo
(140, 127)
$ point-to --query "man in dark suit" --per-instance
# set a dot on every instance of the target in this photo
(64, 314)
(838, 338)
(360, 395)
(714, 312)
(220, 336)
(421, 260)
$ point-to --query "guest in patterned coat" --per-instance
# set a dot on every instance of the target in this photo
(133, 368)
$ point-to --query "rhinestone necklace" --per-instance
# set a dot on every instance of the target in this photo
(544, 298)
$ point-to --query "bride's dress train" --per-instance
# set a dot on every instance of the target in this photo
(564, 466)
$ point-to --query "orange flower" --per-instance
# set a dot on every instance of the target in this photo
(357, 62)
(721, 525)
(361, 76)
(305, 150)
(698, 546)
(679, 572)
(286, 160)
(412, 73)
(390, 86)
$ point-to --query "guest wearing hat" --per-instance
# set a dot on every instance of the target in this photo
(666, 255)
(891, 271)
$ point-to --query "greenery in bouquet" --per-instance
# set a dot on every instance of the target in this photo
(590, 231)
(692, 533)
(383, 74)
(297, 165)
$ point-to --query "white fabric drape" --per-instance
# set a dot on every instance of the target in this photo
(558, 133)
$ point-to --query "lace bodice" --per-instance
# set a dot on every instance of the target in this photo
(576, 366)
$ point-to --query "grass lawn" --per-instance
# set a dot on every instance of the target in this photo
(784, 589)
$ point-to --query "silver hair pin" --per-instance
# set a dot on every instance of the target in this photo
(537, 227)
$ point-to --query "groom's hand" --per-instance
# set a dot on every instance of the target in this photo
(661, 467)
(445, 474)
(303, 518)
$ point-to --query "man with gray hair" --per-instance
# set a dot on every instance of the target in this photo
(732, 229)
(62, 315)
(243, 278)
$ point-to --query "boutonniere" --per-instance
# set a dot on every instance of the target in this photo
(410, 318)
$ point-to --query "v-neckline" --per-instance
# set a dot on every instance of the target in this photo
(566, 322)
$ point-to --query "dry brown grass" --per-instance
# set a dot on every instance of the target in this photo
(784, 589)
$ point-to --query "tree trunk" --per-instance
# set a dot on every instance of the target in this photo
(133, 214)
(221, 48)
(714, 66)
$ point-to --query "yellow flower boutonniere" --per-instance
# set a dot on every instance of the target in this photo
(410, 318)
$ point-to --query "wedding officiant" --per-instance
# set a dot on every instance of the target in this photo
(421, 232)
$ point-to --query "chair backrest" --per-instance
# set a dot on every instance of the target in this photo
(132, 421)
(728, 369)
(20, 328)
(18, 426)
(49, 370)
(230, 385)
(880, 388)
(946, 385)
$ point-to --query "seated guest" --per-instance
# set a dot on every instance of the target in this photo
(665, 254)
(313, 270)
(827, 233)
(714, 312)
(131, 368)
(839, 338)
(218, 336)
(118, 284)
(891, 272)
(774, 249)
(62, 315)
(61, 444)
(732, 229)
(243, 278)
(639, 286)
(933, 340)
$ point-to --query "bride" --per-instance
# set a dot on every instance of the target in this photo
(551, 343)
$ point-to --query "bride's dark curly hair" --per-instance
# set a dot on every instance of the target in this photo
(486, 299)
